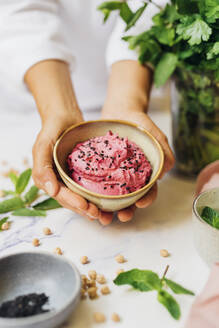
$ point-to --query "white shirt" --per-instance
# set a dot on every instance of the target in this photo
(69, 30)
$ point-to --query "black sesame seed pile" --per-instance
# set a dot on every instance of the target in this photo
(24, 306)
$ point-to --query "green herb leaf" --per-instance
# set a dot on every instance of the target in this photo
(194, 29)
(2, 221)
(31, 195)
(107, 7)
(11, 204)
(13, 178)
(8, 192)
(210, 215)
(186, 6)
(48, 204)
(176, 288)
(214, 51)
(125, 13)
(28, 212)
(164, 35)
(136, 16)
(170, 303)
(165, 68)
(143, 280)
(23, 180)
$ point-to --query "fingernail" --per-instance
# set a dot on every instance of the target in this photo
(49, 188)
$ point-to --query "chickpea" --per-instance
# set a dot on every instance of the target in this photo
(164, 253)
(99, 317)
(84, 260)
(101, 279)
(120, 258)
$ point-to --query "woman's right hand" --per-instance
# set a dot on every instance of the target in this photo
(46, 178)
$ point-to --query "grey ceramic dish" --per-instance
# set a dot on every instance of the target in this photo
(206, 237)
(40, 272)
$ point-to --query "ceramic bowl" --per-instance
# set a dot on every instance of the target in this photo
(206, 237)
(40, 272)
(86, 130)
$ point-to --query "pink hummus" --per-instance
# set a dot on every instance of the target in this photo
(109, 165)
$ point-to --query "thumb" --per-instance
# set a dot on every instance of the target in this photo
(43, 173)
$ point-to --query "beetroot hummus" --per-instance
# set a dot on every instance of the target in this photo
(109, 165)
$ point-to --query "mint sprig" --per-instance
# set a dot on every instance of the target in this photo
(210, 216)
(147, 280)
(21, 203)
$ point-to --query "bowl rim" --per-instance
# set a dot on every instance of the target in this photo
(53, 313)
(194, 208)
(110, 121)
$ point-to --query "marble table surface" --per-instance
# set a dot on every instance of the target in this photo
(166, 224)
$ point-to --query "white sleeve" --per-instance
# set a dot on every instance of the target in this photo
(118, 49)
(29, 33)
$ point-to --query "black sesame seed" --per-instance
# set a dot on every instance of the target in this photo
(104, 188)
(123, 185)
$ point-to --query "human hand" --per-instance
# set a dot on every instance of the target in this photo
(143, 120)
(45, 177)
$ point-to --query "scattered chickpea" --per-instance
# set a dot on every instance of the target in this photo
(91, 283)
(4, 162)
(105, 290)
(115, 317)
(92, 274)
(120, 258)
(119, 271)
(84, 260)
(92, 292)
(164, 253)
(2, 194)
(5, 226)
(101, 279)
(47, 231)
(36, 242)
(99, 317)
(58, 251)
(83, 293)
(84, 281)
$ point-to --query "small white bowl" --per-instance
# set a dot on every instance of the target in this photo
(206, 237)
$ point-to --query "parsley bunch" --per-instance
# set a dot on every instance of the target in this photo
(184, 34)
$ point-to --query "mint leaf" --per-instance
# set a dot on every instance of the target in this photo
(11, 204)
(143, 280)
(13, 178)
(2, 221)
(216, 222)
(214, 51)
(170, 303)
(209, 215)
(23, 180)
(194, 29)
(135, 17)
(48, 204)
(176, 288)
(28, 212)
(31, 195)
(165, 68)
